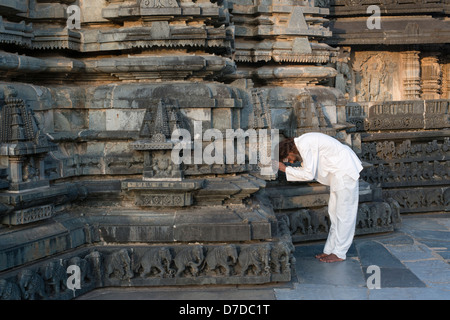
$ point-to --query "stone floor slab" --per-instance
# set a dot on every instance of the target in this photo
(411, 252)
(409, 294)
(430, 234)
(373, 253)
(396, 278)
(432, 272)
(346, 273)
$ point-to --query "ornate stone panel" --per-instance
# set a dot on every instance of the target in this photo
(150, 265)
(407, 143)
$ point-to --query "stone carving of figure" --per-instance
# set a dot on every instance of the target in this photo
(344, 74)
(9, 290)
(300, 219)
(31, 285)
(280, 257)
(158, 259)
(190, 259)
(54, 276)
(118, 264)
(220, 257)
(255, 258)
(374, 77)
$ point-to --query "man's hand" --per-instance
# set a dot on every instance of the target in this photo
(282, 166)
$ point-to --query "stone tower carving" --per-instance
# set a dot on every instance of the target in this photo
(156, 133)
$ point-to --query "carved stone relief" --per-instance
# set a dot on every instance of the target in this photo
(374, 73)
(398, 115)
(390, 76)
(150, 265)
(344, 78)
(422, 166)
(313, 223)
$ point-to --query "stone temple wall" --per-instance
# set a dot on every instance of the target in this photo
(396, 81)
(90, 92)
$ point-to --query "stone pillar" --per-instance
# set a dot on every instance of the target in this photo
(41, 165)
(15, 169)
(431, 77)
(411, 75)
(445, 91)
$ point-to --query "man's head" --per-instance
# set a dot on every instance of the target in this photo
(288, 151)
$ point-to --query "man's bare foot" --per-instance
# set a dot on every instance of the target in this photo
(321, 255)
(331, 258)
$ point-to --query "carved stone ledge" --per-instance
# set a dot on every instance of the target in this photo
(201, 245)
(160, 35)
(30, 205)
(150, 68)
(54, 38)
(29, 215)
(162, 67)
(400, 30)
(296, 50)
(388, 7)
(280, 31)
(399, 115)
(164, 193)
(156, 265)
(294, 75)
(16, 33)
(164, 8)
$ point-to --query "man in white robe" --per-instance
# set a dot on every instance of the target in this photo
(334, 164)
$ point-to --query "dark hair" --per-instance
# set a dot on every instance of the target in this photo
(285, 147)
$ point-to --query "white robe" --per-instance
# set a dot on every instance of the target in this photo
(325, 160)
(334, 164)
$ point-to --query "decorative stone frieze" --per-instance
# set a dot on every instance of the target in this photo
(157, 265)
(408, 145)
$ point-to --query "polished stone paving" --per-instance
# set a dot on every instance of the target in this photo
(413, 263)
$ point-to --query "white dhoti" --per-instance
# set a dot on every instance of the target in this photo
(342, 209)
